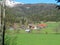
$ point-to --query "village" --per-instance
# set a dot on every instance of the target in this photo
(28, 27)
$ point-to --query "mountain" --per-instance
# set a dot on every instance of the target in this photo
(34, 12)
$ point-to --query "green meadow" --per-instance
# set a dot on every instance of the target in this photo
(52, 37)
(33, 39)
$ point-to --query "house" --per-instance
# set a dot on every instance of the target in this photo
(42, 25)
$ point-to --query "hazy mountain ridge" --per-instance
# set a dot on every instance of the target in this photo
(30, 8)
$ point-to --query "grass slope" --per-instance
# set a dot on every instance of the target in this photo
(33, 39)
(22, 38)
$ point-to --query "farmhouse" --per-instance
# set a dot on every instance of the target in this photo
(42, 25)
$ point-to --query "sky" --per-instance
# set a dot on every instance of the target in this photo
(36, 1)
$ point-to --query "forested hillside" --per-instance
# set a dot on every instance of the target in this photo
(32, 13)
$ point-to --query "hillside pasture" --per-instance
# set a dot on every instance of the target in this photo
(20, 37)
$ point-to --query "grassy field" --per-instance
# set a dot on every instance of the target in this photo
(34, 38)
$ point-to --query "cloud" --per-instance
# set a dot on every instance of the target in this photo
(12, 3)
